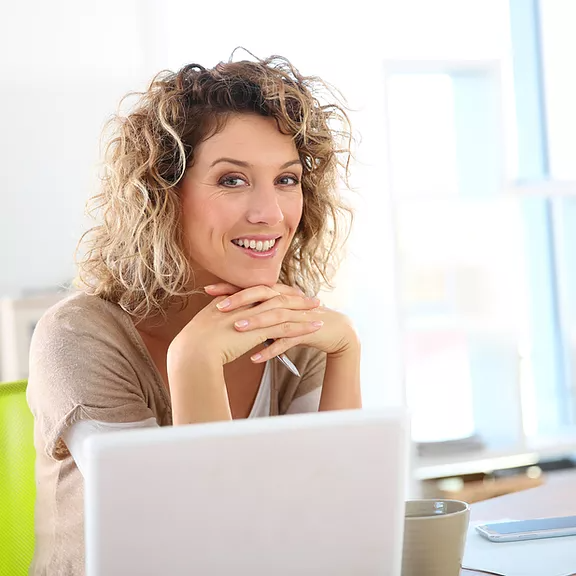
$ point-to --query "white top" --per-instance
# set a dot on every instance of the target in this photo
(261, 406)
(76, 434)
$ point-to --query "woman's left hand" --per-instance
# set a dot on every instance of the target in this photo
(336, 337)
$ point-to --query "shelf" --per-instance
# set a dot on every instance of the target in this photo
(491, 459)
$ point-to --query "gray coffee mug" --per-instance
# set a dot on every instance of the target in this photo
(434, 537)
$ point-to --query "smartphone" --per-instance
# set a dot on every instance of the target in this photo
(528, 529)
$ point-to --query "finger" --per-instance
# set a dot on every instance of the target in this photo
(283, 331)
(285, 289)
(284, 301)
(221, 289)
(219, 299)
(247, 297)
(276, 348)
(226, 288)
(275, 316)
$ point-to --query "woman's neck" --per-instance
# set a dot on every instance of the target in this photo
(164, 329)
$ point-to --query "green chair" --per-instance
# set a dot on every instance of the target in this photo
(17, 484)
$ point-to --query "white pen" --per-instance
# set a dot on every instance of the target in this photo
(284, 359)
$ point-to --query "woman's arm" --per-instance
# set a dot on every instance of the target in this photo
(196, 357)
(75, 436)
(341, 388)
(198, 395)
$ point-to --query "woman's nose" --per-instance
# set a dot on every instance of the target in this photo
(263, 206)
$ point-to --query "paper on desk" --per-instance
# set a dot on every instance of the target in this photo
(545, 557)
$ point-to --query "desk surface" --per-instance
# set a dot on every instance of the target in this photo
(556, 497)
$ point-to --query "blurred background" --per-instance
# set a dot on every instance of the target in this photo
(459, 273)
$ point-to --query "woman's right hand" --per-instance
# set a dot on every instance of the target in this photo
(210, 337)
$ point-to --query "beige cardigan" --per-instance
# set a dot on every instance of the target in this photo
(88, 361)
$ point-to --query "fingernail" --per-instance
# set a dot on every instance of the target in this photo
(317, 323)
(315, 300)
(211, 287)
(241, 323)
(223, 304)
(255, 357)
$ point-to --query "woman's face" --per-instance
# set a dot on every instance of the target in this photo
(242, 202)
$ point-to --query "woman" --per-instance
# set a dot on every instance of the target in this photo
(220, 216)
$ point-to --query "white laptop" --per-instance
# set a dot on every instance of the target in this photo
(311, 494)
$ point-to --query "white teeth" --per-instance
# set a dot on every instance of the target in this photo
(258, 245)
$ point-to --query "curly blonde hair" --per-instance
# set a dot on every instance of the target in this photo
(136, 256)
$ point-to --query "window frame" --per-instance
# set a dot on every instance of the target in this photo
(505, 423)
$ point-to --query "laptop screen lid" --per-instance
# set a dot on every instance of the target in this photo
(308, 494)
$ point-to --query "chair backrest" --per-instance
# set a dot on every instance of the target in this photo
(17, 483)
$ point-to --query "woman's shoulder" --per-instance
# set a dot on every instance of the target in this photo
(80, 309)
(81, 319)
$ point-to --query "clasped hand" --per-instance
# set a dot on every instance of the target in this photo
(238, 321)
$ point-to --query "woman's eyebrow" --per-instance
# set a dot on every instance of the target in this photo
(248, 165)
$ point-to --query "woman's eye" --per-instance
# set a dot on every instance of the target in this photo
(288, 181)
(232, 181)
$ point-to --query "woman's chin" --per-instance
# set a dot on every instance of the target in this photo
(245, 281)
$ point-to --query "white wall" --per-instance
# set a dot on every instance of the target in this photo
(60, 81)
(65, 65)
